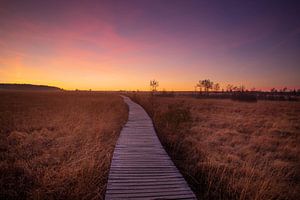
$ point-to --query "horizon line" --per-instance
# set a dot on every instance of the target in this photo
(288, 89)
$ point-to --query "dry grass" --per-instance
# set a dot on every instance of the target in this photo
(57, 145)
(231, 150)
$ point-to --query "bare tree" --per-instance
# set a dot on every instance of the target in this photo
(229, 87)
(207, 85)
(216, 87)
(154, 85)
(284, 89)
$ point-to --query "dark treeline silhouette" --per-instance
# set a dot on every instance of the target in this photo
(209, 89)
(166, 93)
(14, 86)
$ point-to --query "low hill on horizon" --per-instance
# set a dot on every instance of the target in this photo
(17, 86)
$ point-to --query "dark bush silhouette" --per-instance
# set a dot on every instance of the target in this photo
(243, 96)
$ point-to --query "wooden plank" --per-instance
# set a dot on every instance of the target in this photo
(150, 190)
(154, 195)
(139, 187)
(141, 168)
(162, 181)
(144, 183)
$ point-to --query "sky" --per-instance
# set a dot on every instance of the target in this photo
(122, 45)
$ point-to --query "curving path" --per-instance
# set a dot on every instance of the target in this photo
(140, 168)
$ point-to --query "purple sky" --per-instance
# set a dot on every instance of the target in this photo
(124, 44)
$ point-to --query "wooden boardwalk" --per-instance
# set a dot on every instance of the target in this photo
(140, 168)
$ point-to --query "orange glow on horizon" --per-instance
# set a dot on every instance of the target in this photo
(88, 46)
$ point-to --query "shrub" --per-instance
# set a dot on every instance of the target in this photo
(243, 96)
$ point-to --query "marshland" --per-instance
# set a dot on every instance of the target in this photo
(59, 144)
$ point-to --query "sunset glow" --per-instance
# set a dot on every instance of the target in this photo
(122, 45)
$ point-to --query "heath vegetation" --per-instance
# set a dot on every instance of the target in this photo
(57, 145)
(228, 149)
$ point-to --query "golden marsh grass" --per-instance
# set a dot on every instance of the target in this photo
(229, 149)
(57, 145)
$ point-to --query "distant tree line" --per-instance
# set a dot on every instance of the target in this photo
(207, 85)
(208, 89)
(30, 87)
